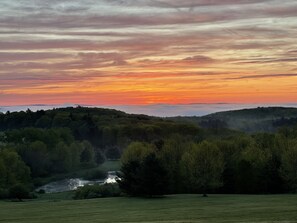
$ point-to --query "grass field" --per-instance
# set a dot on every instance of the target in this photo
(176, 208)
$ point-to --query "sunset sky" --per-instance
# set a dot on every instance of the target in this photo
(142, 52)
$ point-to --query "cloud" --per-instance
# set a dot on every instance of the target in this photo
(75, 14)
(109, 21)
(10, 57)
(199, 59)
(148, 51)
(262, 76)
(268, 60)
(182, 4)
(193, 61)
(102, 59)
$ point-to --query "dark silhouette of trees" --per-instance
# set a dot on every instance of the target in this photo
(19, 191)
(144, 178)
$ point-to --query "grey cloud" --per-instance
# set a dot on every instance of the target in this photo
(42, 20)
(268, 60)
(104, 20)
(66, 6)
(199, 59)
(186, 62)
(81, 61)
(182, 4)
(261, 76)
(47, 44)
(115, 59)
(11, 57)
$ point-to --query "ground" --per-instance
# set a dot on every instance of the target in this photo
(174, 208)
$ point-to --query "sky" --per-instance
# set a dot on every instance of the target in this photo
(148, 52)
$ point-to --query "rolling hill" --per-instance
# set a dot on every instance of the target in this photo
(261, 119)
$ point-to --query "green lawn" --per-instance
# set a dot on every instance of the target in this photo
(176, 208)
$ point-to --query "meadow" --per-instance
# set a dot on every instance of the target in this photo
(175, 208)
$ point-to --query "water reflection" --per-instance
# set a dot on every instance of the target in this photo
(111, 177)
(74, 183)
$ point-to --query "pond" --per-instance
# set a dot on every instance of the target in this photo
(74, 183)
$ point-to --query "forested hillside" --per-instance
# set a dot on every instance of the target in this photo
(44, 143)
(109, 131)
(260, 119)
(159, 156)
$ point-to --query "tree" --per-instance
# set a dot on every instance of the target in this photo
(44, 122)
(142, 171)
(130, 178)
(99, 157)
(3, 172)
(113, 153)
(75, 149)
(144, 178)
(61, 120)
(231, 153)
(289, 166)
(87, 157)
(136, 151)
(12, 169)
(203, 166)
(153, 176)
(171, 155)
(252, 170)
(37, 158)
(61, 158)
(19, 191)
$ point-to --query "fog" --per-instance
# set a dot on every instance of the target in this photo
(161, 110)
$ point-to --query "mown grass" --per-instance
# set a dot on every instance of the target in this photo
(175, 208)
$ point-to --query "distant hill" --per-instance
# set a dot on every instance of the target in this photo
(104, 128)
(261, 119)
(83, 121)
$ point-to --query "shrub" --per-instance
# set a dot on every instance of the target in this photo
(4, 193)
(19, 191)
(97, 191)
(41, 191)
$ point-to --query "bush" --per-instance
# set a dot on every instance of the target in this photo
(19, 192)
(41, 191)
(4, 193)
(97, 191)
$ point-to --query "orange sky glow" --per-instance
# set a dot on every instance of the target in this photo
(139, 52)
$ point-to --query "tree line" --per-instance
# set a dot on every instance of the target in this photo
(46, 143)
(29, 154)
(159, 156)
(249, 164)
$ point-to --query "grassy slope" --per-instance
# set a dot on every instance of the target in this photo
(177, 208)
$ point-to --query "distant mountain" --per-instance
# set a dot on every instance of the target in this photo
(159, 110)
(261, 119)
